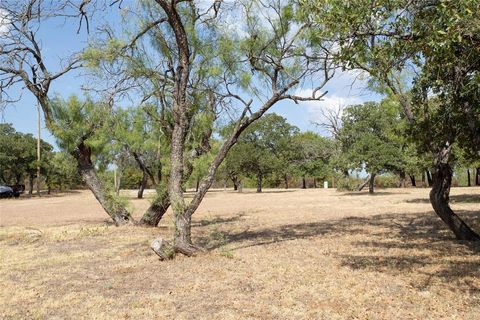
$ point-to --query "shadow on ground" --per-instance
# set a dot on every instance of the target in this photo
(376, 193)
(392, 243)
(461, 198)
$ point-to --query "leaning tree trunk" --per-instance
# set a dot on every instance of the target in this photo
(157, 209)
(259, 183)
(143, 184)
(371, 184)
(87, 171)
(469, 181)
(439, 198)
(364, 184)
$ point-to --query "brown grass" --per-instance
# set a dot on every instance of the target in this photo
(296, 254)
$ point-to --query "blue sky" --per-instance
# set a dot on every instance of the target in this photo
(60, 39)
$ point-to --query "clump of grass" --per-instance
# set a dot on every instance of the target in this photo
(227, 253)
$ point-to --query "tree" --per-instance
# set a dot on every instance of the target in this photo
(76, 125)
(276, 52)
(135, 134)
(368, 138)
(262, 149)
(22, 61)
(18, 158)
(61, 172)
(313, 153)
(438, 40)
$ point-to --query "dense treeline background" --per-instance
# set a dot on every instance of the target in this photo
(369, 139)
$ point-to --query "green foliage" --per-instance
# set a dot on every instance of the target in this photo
(348, 184)
(368, 138)
(263, 149)
(18, 155)
(437, 40)
(74, 121)
(62, 172)
(312, 155)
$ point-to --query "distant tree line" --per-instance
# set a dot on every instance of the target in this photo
(18, 162)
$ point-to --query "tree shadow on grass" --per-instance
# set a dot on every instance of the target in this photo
(376, 193)
(461, 198)
(394, 243)
(218, 220)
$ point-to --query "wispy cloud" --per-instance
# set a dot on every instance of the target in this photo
(3, 22)
(333, 102)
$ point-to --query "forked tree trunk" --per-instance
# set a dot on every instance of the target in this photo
(412, 179)
(371, 184)
(259, 183)
(87, 171)
(304, 183)
(235, 185)
(469, 181)
(439, 198)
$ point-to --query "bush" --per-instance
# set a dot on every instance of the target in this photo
(348, 184)
(387, 181)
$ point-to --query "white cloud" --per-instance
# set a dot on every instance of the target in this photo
(330, 102)
(3, 22)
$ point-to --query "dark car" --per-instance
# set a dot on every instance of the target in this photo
(6, 192)
(11, 191)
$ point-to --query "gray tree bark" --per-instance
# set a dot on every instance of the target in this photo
(439, 198)
(259, 183)
(87, 171)
(412, 179)
(371, 184)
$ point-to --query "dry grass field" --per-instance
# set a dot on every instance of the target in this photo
(283, 254)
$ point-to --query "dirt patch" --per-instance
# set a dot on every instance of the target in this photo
(301, 254)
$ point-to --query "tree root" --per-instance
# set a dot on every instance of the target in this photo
(166, 251)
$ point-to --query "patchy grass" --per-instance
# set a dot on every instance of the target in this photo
(304, 254)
